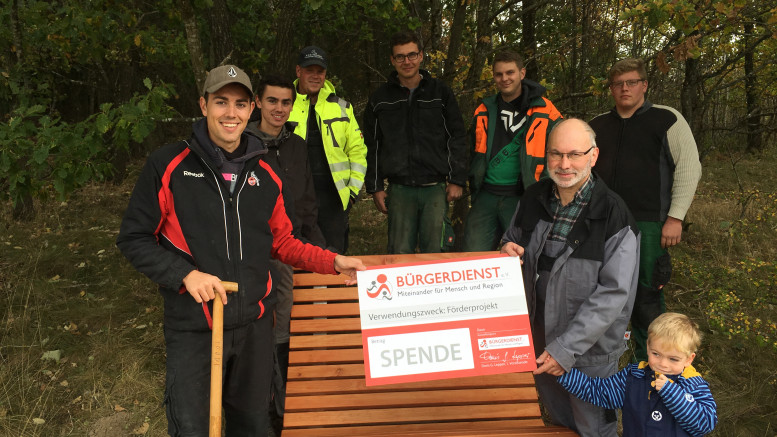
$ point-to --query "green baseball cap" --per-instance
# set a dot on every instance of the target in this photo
(225, 75)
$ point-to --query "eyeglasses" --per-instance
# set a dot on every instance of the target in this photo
(572, 156)
(631, 83)
(412, 56)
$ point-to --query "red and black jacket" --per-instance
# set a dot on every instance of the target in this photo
(182, 217)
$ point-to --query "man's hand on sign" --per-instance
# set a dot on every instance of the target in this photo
(513, 249)
(548, 365)
(349, 266)
(203, 287)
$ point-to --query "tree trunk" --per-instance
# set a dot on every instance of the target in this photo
(193, 43)
(689, 96)
(483, 47)
(572, 83)
(221, 34)
(529, 38)
(429, 12)
(454, 46)
(284, 54)
(754, 142)
(23, 207)
(16, 33)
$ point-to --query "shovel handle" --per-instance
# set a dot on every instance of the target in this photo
(231, 287)
(216, 356)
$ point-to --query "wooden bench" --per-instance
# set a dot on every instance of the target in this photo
(326, 393)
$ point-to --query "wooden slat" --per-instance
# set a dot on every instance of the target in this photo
(307, 295)
(504, 428)
(324, 341)
(419, 398)
(314, 326)
(379, 260)
(357, 385)
(410, 415)
(318, 279)
(328, 310)
(327, 371)
(336, 356)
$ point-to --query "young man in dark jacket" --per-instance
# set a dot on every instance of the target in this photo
(205, 210)
(648, 157)
(415, 138)
(508, 150)
(288, 152)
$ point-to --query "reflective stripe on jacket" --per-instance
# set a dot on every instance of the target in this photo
(343, 140)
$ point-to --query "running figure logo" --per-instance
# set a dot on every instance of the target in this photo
(380, 292)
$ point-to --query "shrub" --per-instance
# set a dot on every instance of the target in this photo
(40, 152)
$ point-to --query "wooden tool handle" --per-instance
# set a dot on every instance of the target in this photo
(216, 357)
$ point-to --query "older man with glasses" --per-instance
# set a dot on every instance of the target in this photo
(579, 247)
(649, 157)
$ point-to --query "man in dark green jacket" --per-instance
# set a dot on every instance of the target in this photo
(508, 153)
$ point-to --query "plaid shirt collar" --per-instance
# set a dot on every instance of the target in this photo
(565, 216)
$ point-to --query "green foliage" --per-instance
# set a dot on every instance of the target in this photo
(39, 152)
(356, 20)
(86, 48)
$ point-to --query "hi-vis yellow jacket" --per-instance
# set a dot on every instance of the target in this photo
(343, 140)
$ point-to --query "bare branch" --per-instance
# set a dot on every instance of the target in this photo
(374, 70)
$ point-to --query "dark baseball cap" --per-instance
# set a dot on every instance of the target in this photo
(312, 55)
(225, 75)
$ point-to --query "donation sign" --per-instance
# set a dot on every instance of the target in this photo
(444, 319)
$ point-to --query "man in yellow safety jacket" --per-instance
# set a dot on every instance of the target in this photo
(336, 150)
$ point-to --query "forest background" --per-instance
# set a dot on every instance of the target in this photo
(88, 88)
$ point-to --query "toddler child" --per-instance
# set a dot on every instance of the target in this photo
(664, 396)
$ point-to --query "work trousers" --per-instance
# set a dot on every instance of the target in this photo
(416, 218)
(247, 372)
(655, 269)
(565, 409)
(282, 287)
(332, 218)
(488, 218)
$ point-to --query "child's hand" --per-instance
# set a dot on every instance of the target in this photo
(660, 381)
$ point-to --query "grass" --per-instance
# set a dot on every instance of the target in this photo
(65, 287)
(726, 279)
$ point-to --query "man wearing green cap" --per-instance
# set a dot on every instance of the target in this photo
(205, 210)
